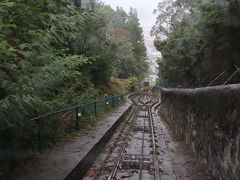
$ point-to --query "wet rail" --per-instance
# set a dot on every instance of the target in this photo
(132, 152)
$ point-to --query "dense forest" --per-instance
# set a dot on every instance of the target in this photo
(56, 52)
(199, 41)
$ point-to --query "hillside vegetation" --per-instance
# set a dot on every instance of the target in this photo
(56, 52)
(199, 40)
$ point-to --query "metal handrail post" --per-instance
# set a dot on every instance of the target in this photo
(194, 83)
(238, 69)
(95, 107)
(216, 78)
(77, 116)
(113, 101)
(39, 136)
(199, 85)
(105, 103)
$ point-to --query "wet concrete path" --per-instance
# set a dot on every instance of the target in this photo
(61, 160)
(176, 163)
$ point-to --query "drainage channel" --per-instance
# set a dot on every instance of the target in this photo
(132, 152)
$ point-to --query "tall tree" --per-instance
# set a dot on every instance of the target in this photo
(125, 33)
(197, 39)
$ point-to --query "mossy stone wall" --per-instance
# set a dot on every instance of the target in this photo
(208, 121)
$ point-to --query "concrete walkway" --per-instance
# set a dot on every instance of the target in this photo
(176, 161)
(63, 158)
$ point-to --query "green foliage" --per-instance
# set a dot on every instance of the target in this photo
(197, 39)
(126, 36)
(53, 52)
(39, 60)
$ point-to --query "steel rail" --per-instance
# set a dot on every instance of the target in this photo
(157, 104)
(116, 165)
(136, 100)
(155, 156)
(142, 101)
(142, 150)
(128, 119)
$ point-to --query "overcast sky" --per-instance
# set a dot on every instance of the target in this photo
(144, 8)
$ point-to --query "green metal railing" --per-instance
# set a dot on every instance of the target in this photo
(36, 134)
(95, 106)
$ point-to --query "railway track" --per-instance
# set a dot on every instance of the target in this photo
(132, 152)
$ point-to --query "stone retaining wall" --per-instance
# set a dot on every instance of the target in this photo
(208, 121)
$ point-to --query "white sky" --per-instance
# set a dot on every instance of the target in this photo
(144, 8)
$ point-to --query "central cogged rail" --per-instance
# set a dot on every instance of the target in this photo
(114, 162)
